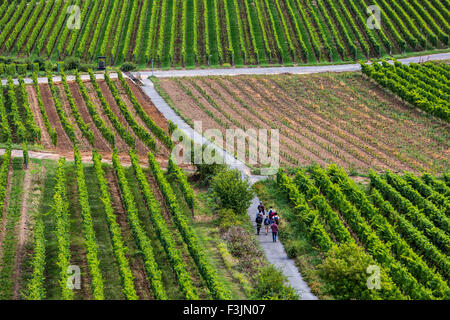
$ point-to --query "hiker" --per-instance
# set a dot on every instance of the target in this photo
(261, 209)
(272, 214)
(270, 211)
(276, 218)
(259, 220)
(274, 228)
(267, 223)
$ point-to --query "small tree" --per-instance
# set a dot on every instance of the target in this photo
(232, 191)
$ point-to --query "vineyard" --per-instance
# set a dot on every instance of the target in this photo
(189, 33)
(325, 118)
(100, 114)
(399, 221)
(426, 86)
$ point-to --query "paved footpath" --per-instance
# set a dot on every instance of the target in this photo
(274, 251)
(278, 70)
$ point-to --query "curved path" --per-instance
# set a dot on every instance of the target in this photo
(274, 251)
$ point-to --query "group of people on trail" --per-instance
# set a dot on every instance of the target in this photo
(270, 220)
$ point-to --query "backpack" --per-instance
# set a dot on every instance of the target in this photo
(276, 219)
(267, 221)
(259, 220)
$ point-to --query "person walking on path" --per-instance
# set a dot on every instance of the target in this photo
(267, 223)
(259, 220)
(272, 213)
(276, 218)
(274, 228)
(261, 209)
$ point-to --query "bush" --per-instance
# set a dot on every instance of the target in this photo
(11, 69)
(22, 69)
(271, 286)
(205, 172)
(85, 67)
(345, 272)
(71, 63)
(232, 191)
(228, 218)
(128, 66)
(41, 63)
(2, 68)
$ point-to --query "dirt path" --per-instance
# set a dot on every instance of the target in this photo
(23, 233)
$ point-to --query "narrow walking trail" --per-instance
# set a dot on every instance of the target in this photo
(275, 252)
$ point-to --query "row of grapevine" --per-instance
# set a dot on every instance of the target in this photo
(309, 219)
(4, 175)
(57, 27)
(129, 30)
(206, 270)
(66, 124)
(403, 252)
(181, 178)
(107, 133)
(65, 33)
(15, 118)
(60, 214)
(378, 249)
(90, 241)
(429, 209)
(90, 23)
(7, 30)
(5, 133)
(119, 247)
(293, 29)
(437, 185)
(120, 128)
(143, 241)
(409, 232)
(29, 26)
(162, 26)
(33, 128)
(49, 25)
(163, 231)
(313, 195)
(35, 286)
(149, 122)
(418, 218)
(140, 131)
(97, 31)
(401, 81)
(152, 30)
(84, 128)
(75, 32)
(140, 32)
(50, 130)
(18, 26)
(38, 26)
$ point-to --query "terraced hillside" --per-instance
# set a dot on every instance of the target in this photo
(212, 32)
